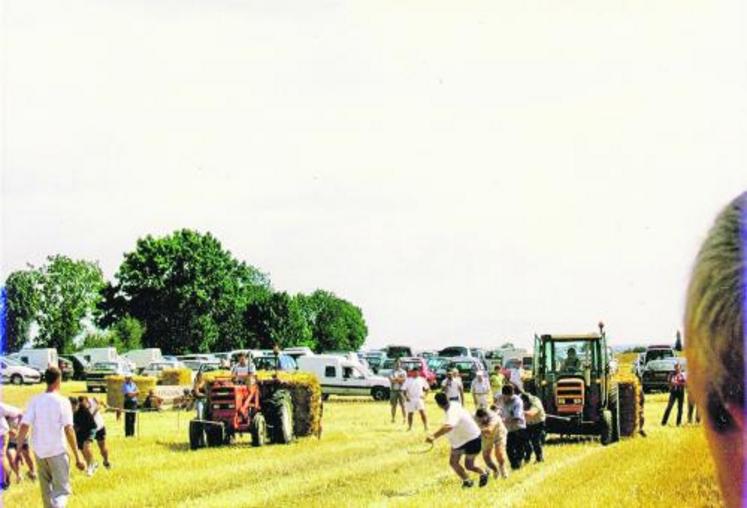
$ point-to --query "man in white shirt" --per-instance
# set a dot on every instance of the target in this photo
(241, 370)
(453, 388)
(465, 438)
(415, 388)
(511, 409)
(481, 392)
(51, 417)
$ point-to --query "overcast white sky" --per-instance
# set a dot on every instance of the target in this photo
(466, 172)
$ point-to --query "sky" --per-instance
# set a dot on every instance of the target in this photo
(465, 172)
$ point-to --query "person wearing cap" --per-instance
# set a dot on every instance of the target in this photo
(481, 392)
(453, 388)
(415, 388)
(129, 390)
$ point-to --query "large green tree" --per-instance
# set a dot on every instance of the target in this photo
(335, 323)
(187, 290)
(21, 307)
(277, 319)
(69, 291)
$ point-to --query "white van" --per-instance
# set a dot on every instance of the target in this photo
(144, 357)
(340, 376)
(40, 359)
(100, 354)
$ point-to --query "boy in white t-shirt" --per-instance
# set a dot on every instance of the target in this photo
(465, 438)
(415, 388)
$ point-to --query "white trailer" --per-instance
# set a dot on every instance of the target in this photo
(38, 358)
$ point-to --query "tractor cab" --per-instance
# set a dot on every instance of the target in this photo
(572, 377)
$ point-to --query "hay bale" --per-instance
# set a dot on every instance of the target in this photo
(305, 391)
(176, 377)
(630, 403)
(114, 396)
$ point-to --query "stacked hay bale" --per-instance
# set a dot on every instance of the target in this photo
(630, 397)
(305, 391)
(114, 396)
(176, 377)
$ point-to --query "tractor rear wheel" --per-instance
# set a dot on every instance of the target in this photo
(280, 416)
(258, 430)
(605, 433)
(196, 435)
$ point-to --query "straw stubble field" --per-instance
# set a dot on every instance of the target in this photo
(361, 460)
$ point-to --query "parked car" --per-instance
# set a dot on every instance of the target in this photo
(80, 366)
(658, 352)
(96, 377)
(467, 367)
(375, 360)
(197, 364)
(155, 369)
(656, 373)
(422, 365)
(387, 368)
(454, 351)
(438, 365)
(340, 376)
(492, 358)
(66, 368)
(18, 373)
(297, 352)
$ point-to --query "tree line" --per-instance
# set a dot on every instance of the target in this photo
(183, 293)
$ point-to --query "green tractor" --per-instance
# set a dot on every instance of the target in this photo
(573, 376)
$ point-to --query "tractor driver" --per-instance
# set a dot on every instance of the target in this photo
(241, 370)
(571, 362)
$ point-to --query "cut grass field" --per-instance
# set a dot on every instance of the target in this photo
(361, 460)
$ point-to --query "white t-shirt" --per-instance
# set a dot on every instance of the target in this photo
(452, 387)
(48, 414)
(481, 386)
(464, 429)
(7, 411)
(97, 416)
(414, 387)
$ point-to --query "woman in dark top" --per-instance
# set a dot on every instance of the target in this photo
(85, 431)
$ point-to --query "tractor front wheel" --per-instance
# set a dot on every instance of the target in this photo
(258, 430)
(196, 435)
(605, 434)
(214, 435)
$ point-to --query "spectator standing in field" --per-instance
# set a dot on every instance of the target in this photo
(85, 431)
(493, 440)
(465, 438)
(676, 394)
(497, 379)
(396, 398)
(715, 317)
(95, 407)
(51, 417)
(130, 392)
(511, 409)
(415, 388)
(534, 414)
(199, 392)
(481, 394)
(453, 388)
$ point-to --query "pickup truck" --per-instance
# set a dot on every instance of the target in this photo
(96, 377)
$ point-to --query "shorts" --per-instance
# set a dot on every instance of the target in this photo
(414, 405)
(497, 438)
(395, 396)
(101, 434)
(12, 445)
(82, 437)
(470, 447)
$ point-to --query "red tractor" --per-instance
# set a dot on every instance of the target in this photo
(263, 410)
